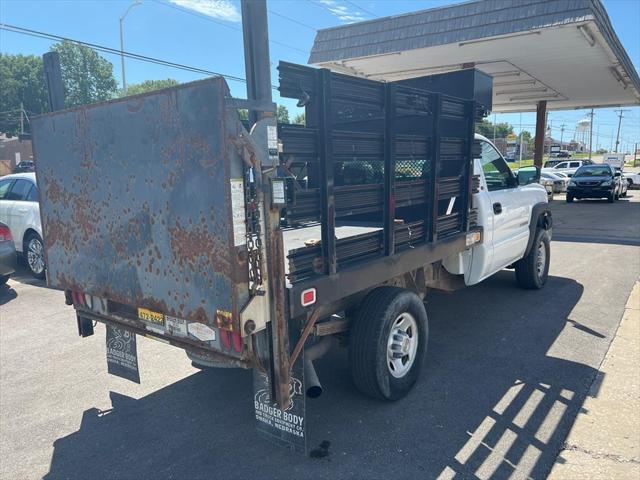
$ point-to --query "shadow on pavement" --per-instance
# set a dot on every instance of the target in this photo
(22, 275)
(597, 221)
(7, 294)
(490, 400)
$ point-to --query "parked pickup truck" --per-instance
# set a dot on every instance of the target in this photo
(164, 217)
(568, 167)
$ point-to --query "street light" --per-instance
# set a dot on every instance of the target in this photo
(135, 3)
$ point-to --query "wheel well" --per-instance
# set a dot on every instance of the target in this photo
(27, 234)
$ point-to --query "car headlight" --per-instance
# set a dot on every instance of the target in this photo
(606, 183)
(572, 183)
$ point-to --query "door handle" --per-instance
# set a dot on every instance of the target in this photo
(23, 210)
(497, 208)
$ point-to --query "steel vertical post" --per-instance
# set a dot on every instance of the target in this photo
(53, 77)
(389, 205)
(327, 198)
(258, 71)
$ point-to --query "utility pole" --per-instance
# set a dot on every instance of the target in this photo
(635, 153)
(590, 132)
(494, 128)
(620, 115)
(561, 135)
(21, 117)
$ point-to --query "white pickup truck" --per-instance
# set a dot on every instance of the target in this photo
(517, 224)
(199, 242)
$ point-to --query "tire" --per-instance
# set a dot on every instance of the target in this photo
(569, 198)
(34, 255)
(387, 322)
(3, 279)
(611, 198)
(532, 271)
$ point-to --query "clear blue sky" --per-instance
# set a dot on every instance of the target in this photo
(207, 34)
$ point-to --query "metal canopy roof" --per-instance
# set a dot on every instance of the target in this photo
(562, 51)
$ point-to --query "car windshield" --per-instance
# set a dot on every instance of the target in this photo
(593, 171)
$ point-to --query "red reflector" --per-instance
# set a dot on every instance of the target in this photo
(308, 297)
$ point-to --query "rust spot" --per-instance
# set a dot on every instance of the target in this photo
(191, 244)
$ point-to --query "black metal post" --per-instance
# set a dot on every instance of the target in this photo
(53, 77)
(255, 31)
(327, 199)
(467, 169)
(389, 206)
(432, 215)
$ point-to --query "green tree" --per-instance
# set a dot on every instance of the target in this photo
(147, 86)
(486, 128)
(300, 119)
(21, 81)
(87, 77)
(282, 114)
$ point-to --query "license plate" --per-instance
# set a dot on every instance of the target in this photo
(151, 316)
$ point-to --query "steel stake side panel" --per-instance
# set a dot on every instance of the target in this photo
(138, 198)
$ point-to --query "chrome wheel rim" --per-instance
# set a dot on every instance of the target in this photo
(402, 345)
(541, 259)
(35, 256)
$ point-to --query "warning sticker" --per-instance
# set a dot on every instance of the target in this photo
(278, 192)
(272, 137)
(202, 332)
(176, 326)
(238, 212)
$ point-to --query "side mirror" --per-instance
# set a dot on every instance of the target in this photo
(528, 175)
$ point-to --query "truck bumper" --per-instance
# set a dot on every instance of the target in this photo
(590, 192)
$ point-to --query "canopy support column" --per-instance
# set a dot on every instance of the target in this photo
(541, 116)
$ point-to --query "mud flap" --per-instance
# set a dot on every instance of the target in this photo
(283, 427)
(122, 354)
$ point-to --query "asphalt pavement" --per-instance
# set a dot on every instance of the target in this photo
(507, 373)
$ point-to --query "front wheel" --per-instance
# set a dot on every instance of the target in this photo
(611, 198)
(34, 254)
(388, 343)
(533, 270)
(569, 198)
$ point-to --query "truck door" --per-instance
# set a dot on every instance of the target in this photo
(508, 208)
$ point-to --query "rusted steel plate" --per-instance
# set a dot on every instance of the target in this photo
(136, 202)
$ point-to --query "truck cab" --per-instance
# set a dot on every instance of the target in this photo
(506, 204)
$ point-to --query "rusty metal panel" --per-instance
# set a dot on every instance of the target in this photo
(136, 202)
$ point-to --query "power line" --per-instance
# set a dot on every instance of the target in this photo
(368, 12)
(292, 20)
(226, 25)
(113, 51)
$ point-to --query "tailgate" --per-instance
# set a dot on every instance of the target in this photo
(137, 206)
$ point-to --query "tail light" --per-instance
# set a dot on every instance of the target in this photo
(78, 298)
(5, 234)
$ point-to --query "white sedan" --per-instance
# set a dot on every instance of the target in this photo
(20, 211)
(632, 179)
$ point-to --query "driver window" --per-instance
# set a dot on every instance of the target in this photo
(496, 171)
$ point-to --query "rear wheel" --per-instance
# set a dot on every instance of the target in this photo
(533, 270)
(388, 342)
(34, 255)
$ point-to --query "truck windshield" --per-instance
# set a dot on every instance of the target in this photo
(593, 171)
